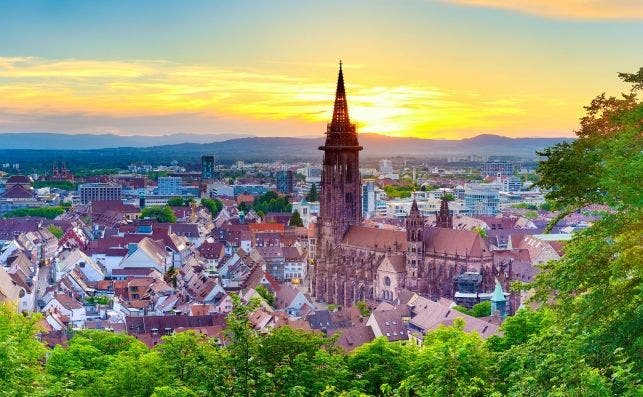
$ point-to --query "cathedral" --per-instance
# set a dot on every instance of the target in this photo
(358, 261)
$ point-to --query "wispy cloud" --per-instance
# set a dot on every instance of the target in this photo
(567, 9)
(155, 97)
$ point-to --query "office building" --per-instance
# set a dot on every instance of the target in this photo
(497, 168)
(207, 167)
(511, 184)
(285, 181)
(170, 186)
(89, 192)
(481, 200)
(369, 199)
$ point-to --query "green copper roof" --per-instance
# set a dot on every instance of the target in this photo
(498, 295)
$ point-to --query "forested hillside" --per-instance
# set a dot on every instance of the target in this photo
(581, 338)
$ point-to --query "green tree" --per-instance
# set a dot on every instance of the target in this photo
(88, 357)
(481, 309)
(195, 361)
(55, 230)
(295, 219)
(481, 231)
(248, 378)
(531, 214)
(169, 391)
(265, 294)
(161, 214)
(213, 205)
(401, 191)
(452, 362)
(595, 288)
(283, 344)
(176, 202)
(379, 363)
(364, 311)
(43, 212)
(271, 202)
(312, 193)
(21, 354)
(64, 185)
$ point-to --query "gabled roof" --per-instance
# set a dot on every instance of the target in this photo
(398, 262)
(102, 206)
(18, 192)
(353, 337)
(18, 179)
(377, 239)
(267, 227)
(431, 315)
(153, 249)
(67, 302)
(285, 296)
(391, 324)
(212, 250)
(9, 291)
(185, 229)
(452, 242)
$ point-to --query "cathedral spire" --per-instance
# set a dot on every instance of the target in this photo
(341, 121)
(444, 218)
(414, 206)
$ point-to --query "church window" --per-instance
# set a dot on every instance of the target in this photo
(387, 281)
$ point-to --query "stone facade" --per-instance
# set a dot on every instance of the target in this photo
(358, 262)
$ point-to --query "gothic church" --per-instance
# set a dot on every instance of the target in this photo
(356, 261)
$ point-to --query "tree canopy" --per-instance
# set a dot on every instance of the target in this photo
(213, 205)
(43, 212)
(295, 219)
(312, 195)
(161, 214)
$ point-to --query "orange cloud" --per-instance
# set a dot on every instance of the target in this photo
(132, 96)
(569, 9)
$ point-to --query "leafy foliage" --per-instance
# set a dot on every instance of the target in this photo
(21, 353)
(295, 220)
(213, 205)
(64, 185)
(56, 231)
(43, 212)
(597, 285)
(364, 311)
(177, 202)
(271, 202)
(481, 309)
(265, 294)
(161, 214)
(312, 195)
(401, 191)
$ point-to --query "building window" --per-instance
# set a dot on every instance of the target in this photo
(387, 281)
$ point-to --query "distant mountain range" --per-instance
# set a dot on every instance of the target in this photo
(56, 141)
(39, 151)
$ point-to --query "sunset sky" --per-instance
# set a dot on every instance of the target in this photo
(424, 68)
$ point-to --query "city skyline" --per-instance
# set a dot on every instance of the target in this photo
(428, 69)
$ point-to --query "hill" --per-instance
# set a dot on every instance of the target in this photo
(252, 149)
